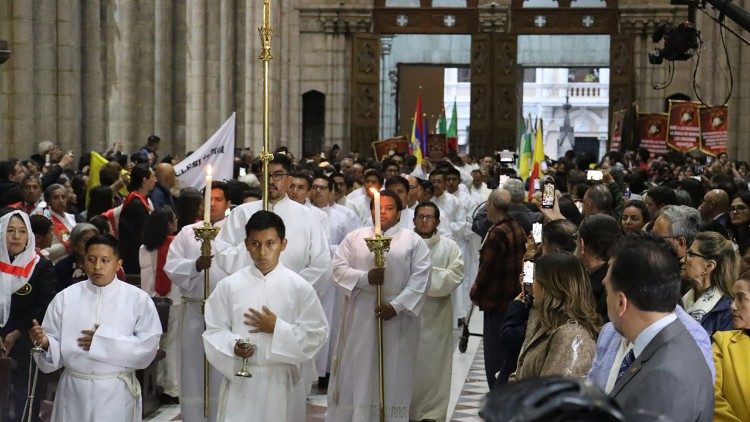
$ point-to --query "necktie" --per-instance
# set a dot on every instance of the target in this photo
(626, 362)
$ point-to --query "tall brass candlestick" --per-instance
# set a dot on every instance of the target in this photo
(265, 56)
(378, 245)
(205, 235)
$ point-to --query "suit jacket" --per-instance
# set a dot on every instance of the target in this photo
(670, 378)
(732, 389)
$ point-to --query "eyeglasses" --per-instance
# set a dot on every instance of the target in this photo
(693, 253)
(278, 176)
(424, 217)
(319, 188)
(738, 209)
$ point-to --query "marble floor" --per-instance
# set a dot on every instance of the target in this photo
(468, 385)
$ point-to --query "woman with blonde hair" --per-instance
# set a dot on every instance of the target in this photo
(563, 322)
(712, 265)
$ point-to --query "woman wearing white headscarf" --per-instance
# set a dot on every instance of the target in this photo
(27, 285)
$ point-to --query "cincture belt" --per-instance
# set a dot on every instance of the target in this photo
(192, 300)
(128, 377)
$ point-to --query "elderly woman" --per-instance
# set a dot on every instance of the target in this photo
(70, 269)
(27, 285)
(563, 322)
(62, 222)
(731, 351)
(712, 265)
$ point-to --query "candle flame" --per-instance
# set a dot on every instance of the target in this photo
(374, 191)
(208, 170)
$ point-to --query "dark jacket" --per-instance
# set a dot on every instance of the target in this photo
(161, 196)
(10, 193)
(600, 295)
(719, 318)
(500, 260)
(512, 334)
(130, 230)
(32, 305)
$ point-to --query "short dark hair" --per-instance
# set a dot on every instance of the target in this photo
(436, 172)
(600, 232)
(390, 194)
(646, 271)
(40, 225)
(156, 229)
(452, 171)
(104, 239)
(153, 140)
(263, 220)
(187, 206)
(427, 186)
(304, 176)
(662, 195)
(373, 172)
(109, 173)
(30, 176)
(101, 223)
(283, 161)
(601, 198)
(137, 175)
(328, 180)
(223, 186)
(427, 204)
(561, 234)
(397, 180)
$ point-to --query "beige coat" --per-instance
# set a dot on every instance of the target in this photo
(567, 350)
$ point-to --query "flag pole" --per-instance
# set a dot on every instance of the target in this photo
(265, 56)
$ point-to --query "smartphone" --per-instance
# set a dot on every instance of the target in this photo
(528, 272)
(594, 175)
(548, 195)
(536, 231)
(46, 160)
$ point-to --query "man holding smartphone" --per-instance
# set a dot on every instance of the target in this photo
(497, 284)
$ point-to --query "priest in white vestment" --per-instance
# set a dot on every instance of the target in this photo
(432, 379)
(281, 316)
(353, 388)
(185, 267)
(100, 331)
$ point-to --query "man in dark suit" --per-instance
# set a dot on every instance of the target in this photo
(664, 373)
(714, 209)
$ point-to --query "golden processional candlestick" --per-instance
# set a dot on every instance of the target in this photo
(265, 56)
(379, 245)
(205, 235)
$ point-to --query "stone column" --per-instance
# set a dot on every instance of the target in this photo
(386, 105)
(178, 75)
(213, 69)
(122, 84)
(162, 115)
(195, 127)
(144, 73)
(69, 75)
(228, 35)
(252, 77)
(92, 78)
(45, 71)
(18, 81)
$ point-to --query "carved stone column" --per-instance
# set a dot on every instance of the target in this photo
(196, 74)
(44, 67)
(387, 106)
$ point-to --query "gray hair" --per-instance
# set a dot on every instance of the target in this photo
(44, 147)
(78, 231)
(684, 221)
(497, 200)
(516, 189)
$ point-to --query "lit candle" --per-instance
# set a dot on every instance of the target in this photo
(207, 197)
(376, 207)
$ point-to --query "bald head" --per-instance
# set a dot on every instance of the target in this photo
(497, 205)
(165, 175)
(715, 202)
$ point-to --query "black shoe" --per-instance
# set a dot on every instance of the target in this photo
(167, 399)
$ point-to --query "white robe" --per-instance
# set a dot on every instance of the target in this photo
(180, 268)
(483, 191)
(353, 388)
(307, 250)
(127, 339)
(432, 379)
(455, 215)
(276, 391)
(361, 206)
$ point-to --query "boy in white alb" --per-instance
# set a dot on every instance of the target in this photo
(280, 314)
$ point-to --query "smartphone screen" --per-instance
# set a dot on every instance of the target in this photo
(594, 175)
(528, 272)
(548, 195)
(536, 231)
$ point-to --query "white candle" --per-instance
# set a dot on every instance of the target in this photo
(207, 197)
(376, 207)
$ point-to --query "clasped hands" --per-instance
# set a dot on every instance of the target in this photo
(376, 277)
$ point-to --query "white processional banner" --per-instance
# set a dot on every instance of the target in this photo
(217, 151)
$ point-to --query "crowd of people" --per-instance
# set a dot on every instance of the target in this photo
(639, 281)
